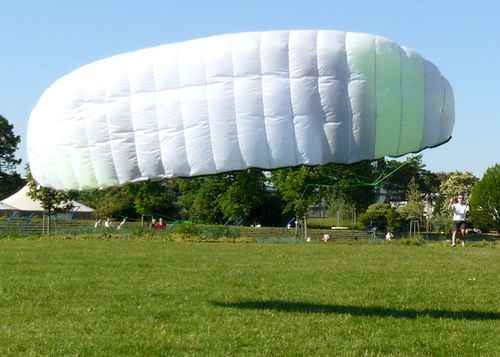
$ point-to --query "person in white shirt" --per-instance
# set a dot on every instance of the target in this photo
(389, 236)
(122, 223)
(109, 223)
(98, 223)
(459, 210)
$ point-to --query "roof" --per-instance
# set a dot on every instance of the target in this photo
(21, 201)
(6, 207)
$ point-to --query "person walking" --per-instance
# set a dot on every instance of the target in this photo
(459, 210)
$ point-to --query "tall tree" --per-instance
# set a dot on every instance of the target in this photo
(10, 181)
(52, 201)
(350, 184)
(296, 188)
(133, 200)
(414, 208)
(380, 216)
(199, 198)
(154, 198)
(246, 191)
(485, 200)
(268, 212)
(114, 202)
(327, 185)
(457, 183)
(397, 183)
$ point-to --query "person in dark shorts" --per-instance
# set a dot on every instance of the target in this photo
(459, 210)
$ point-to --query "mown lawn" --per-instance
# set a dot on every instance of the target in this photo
(150, 298)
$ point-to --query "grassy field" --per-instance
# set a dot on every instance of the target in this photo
(151, 297)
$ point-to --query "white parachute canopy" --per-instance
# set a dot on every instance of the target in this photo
(262, 99)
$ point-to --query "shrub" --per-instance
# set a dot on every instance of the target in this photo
(206, 232)
(382, 216)
(485, 200)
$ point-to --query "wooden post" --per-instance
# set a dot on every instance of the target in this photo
(48, 223)
(414, 228)
(304, 222)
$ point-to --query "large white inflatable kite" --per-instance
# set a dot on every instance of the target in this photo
(262, 99)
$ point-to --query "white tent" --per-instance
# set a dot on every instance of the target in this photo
(6, 207)
(21, 201)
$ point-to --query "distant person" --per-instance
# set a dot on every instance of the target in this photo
(326, 237)
(122, 223)
(389, 236)
(109, 223)
(459, 210)
(160, 225)
(98, 223)
(153, 224)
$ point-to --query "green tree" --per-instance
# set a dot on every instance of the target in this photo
(133, 200)
(199, 198)
(10, 181)
(382, 216)
(438, 201)
(154, 198)
(296, 188)
(394, 220)
(268, 212)
(396, 184)
(112, 202)
(457, 183)
(414, 208)
(10, 184)
(52, 201)
(233, 195)
(485, 200)
(333, 185)
(246, 191)
(347, 186)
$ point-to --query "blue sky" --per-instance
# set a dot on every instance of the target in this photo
(42, 40)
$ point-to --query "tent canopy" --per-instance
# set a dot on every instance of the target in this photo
(21, 201)
(6, 207)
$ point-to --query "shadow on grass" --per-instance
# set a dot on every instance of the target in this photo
(286, 306)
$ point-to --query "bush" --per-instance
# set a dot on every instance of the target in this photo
(206, 232)
(382, 216)
(442, 223)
